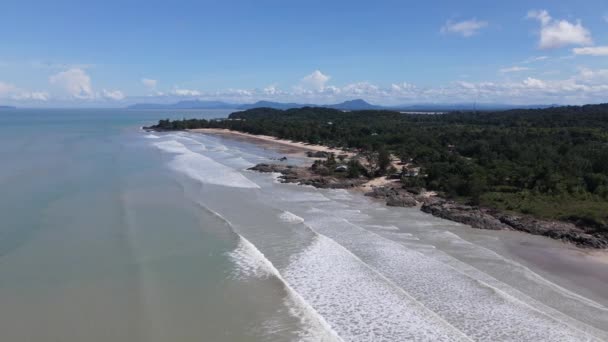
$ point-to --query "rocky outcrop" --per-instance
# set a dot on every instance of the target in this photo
(394, 197)
(484, 218)
(464, 214)
(554, 229)
(476, 217)
(305, 176)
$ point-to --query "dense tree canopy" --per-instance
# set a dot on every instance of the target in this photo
(548, 162)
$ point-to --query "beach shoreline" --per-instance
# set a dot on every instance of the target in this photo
(300, 150)
(294, 149)
(285, 146)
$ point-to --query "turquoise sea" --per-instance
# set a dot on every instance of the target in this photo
(110, 233)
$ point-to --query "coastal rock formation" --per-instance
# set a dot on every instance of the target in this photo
(554, 229)
(476, 217)
(305, 176)
(464, 214)
(394, 197)
(484, 218)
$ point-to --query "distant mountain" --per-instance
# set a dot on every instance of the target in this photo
(7, 107)
(198, 104)
(275, 105)
(357, 104)
(192, 104)
(447, 107)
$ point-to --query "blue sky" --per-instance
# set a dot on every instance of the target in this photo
(112, 53)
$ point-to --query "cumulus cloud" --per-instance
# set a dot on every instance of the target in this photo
(558, 33)
(513, 69)
(185, 92)
(272, 90)
(591, 51)
(10, 91)
(6, 89)
(534, 83)
(32, 96)
(115, 95)
(149, 83)
(315, 81)
(75, 82)
(466, 28)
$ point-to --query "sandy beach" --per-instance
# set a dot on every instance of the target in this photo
(292, 148)
(285, 146)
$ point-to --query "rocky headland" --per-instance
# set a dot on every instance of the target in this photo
(396, 195)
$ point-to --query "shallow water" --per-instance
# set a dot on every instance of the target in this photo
(112, 233)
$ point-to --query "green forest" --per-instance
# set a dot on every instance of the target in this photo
(550, 163)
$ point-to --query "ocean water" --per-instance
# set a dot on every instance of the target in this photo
(110, 233)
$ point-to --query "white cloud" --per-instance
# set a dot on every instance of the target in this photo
(465, 28)
(115, 95)
(149, 83)
(315, 81)
(590, 76)
(360, 89)
(185, 92)
(10, 91)
(535, 59)
(34, 96)
(6, 89)
(559, 33)
(513, 69)
(534, 83)
(75, 82)
(591, 51)
(272, 90)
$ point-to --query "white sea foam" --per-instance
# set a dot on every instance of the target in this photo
(202, 168)
(476, 307)
(288, 217)
(340, 194)
(360, 304)
(151, 136)
(199, 145)
(381, 227)
(172, 146)
(303, 196)
(208, 171)
(251, 262)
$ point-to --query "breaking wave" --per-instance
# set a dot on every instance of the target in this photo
(202, 168)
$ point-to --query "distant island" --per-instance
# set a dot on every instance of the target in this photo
(357, 104)
(490, 167)
(7, 107)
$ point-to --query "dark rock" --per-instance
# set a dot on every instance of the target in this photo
(304, 176)
(318, 154)
(268, 168)
(394, 197)
(464, 214)
(484, 218)
(554, 229)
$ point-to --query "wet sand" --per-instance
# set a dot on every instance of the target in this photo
(281, 145)
(584, 267)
